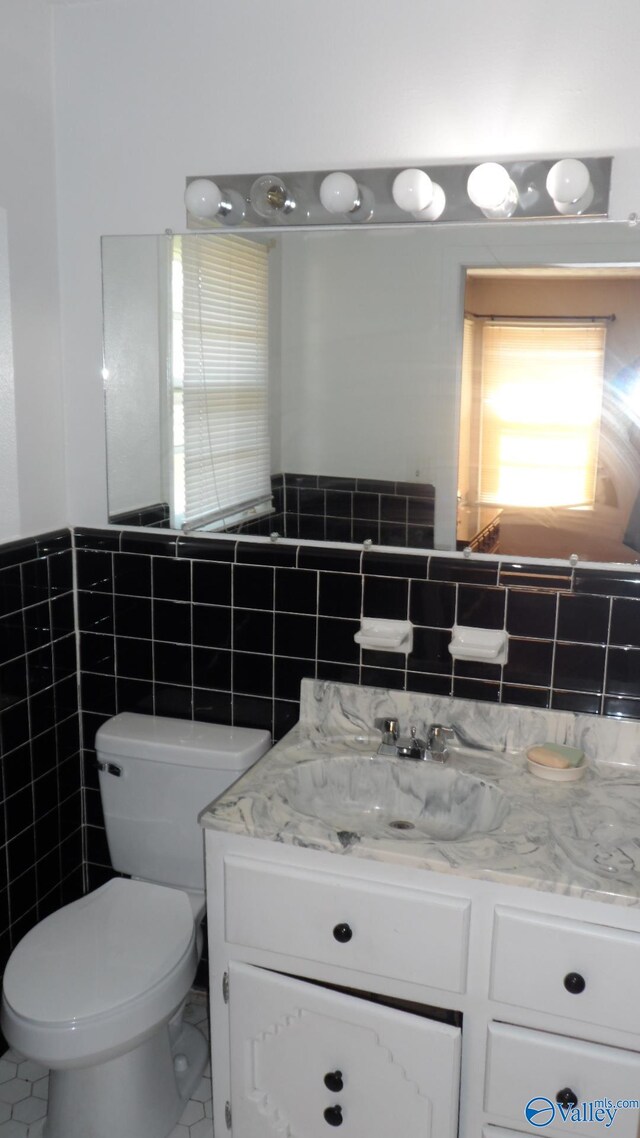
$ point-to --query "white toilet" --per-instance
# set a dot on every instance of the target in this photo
(95, 992)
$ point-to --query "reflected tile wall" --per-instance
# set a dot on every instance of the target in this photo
(318, 507)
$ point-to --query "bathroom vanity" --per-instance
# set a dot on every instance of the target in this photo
(394, 971)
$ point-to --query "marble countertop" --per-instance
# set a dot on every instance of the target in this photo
(578, 838)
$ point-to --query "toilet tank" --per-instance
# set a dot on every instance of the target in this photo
(156, 775)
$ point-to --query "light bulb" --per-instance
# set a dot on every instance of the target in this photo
(339, 193)
(491, 189)
(568, 180)
(412, 190)
(569, 184)
(270, 197)
(436, 207)
(580, 206)
(207, 202)
(203, 199)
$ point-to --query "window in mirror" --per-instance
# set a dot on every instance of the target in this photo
(548, 461)
(219, 383)
(536, 405)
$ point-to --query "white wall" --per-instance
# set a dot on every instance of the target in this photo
(150, 91)
(358, 397)
(10, 511)
(135, 271)
(32, 482)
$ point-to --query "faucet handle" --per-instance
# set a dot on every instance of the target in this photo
(457, 736)
(390, 729)
(439, 732)
(437, 739)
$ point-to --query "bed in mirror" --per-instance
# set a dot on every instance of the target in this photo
(471, 386)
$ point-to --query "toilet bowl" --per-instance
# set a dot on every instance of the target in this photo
(95, 992)
(70, 999)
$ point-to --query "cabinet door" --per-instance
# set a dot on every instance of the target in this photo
(305, 1059)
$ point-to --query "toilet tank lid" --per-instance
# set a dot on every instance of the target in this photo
(181, 741)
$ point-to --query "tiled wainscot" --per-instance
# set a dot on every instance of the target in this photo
(223, 630)
(41, 862)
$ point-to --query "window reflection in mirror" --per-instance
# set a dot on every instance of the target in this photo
(219, 379)
(548, 464)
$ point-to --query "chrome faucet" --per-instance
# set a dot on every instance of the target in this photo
(435, 746)
(410, 746)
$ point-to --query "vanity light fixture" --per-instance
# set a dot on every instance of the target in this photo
(569, 184)
(270, 197)
(415, 193)
(490, 188)
(341, 194)
(206, 202)
(527, 189)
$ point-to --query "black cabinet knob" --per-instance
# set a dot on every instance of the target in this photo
(567, 1098)
(333, 1081)
(342, 933)
(575, 983)
(333, 1115)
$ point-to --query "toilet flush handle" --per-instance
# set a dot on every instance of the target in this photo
(110, 768)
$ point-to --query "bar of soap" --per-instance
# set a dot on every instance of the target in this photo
(556, 755)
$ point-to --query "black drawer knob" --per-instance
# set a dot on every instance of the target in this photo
(567, 1098)
(333, 1115)
(575, 983)
(342, 933)
(333, 1081)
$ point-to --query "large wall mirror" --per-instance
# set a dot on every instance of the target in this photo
(422, 386)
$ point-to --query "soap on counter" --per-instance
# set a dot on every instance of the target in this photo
(556, 755)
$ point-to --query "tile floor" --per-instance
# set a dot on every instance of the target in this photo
(24, 1086)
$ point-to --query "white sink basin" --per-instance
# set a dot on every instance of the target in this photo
(390, 797)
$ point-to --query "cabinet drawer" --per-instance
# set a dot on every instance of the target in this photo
(566, 968)
(525, 1065)
(367, 926)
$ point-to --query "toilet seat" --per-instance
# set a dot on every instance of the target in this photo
(106, 968)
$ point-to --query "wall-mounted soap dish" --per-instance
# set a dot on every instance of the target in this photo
(385, 635)
(489, 645)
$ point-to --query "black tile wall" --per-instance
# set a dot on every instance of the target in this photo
(157, 514)
(225, 631)
(41, 837)
(317, 507)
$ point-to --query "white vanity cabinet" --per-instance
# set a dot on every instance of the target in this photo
(326, 968)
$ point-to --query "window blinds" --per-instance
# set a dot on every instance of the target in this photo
(541, 402)
(225, 386)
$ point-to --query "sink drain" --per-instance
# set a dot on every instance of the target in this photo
(400, 824)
